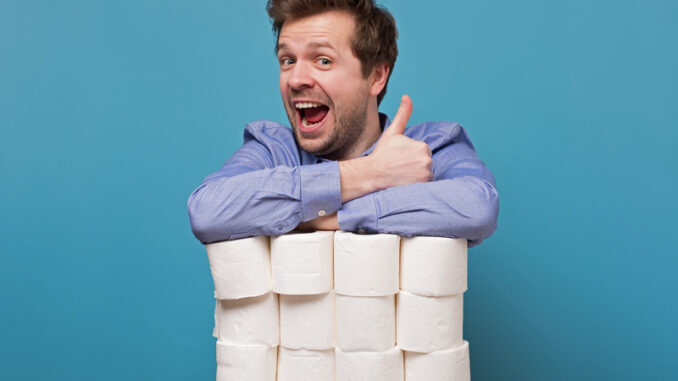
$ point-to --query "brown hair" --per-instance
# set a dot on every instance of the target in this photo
(375, 36)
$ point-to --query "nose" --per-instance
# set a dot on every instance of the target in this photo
(300, 77)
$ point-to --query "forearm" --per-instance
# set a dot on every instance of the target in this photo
(357, 179)
(462, 207)
(269, 201)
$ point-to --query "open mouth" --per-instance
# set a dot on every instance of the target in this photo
(311, 114)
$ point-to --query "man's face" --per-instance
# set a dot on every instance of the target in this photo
(321, 83)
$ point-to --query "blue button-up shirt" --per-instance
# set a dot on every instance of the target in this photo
(270, 185)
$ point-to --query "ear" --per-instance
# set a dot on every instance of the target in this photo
(378, 79)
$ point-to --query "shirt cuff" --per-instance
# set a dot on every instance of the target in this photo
(320, 190)
(359, 215)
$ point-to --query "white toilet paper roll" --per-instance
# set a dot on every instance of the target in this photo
(240, 268)
(433, 266)
(304, 365)
(307, 321)
(448, 365)
(429, 324)
(248, 321)
(370, 366)
(366, 323)
(215, 330)
(366, 265)
(246, 362)
(302, 263)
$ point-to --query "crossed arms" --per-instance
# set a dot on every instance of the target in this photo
(425, 181)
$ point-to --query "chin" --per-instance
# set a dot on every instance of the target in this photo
(313, 146)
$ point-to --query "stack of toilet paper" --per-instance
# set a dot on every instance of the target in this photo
(246, 313)
(430, 309)
(302, 275)
(366, 282)
(340, 306)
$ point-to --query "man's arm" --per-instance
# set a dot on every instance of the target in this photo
(460, 201)
(262, 189)
(458, 207)
(387, 191)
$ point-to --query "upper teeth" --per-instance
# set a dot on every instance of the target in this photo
(307, 105)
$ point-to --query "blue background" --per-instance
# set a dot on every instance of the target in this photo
(111, 112)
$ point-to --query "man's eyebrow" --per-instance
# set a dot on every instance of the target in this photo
(312, 44)
(321, 44)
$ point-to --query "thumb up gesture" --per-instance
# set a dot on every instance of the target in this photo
(399, 123)
(397, 159)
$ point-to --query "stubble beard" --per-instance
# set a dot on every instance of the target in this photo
(348, 128)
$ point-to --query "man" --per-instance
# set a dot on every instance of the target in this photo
(343, 165)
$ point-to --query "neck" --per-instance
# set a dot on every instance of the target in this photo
(370, 134)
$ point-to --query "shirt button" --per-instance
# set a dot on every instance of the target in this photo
(322, 212)
(361, 231)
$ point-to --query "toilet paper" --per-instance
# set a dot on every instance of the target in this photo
(370, 366)
(307, 321)
(248, 321)
(240, 268)
(302, 263)
(448, 365)
(303, 365)
(246, 362)
(429, 324)
(366, 323)
(215, 330)
(366, 265)
(433, 266)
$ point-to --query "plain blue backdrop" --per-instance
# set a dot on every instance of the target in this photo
(111, 112)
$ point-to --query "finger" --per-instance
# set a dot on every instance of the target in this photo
(399, 123)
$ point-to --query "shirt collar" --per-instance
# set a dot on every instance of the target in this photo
(307, 158)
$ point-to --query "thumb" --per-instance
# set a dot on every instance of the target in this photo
(399, 123)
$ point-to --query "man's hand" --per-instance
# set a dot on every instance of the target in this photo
(396, 160)
(321, 223)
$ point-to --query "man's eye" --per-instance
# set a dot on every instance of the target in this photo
(286, 61)
(324, 61)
